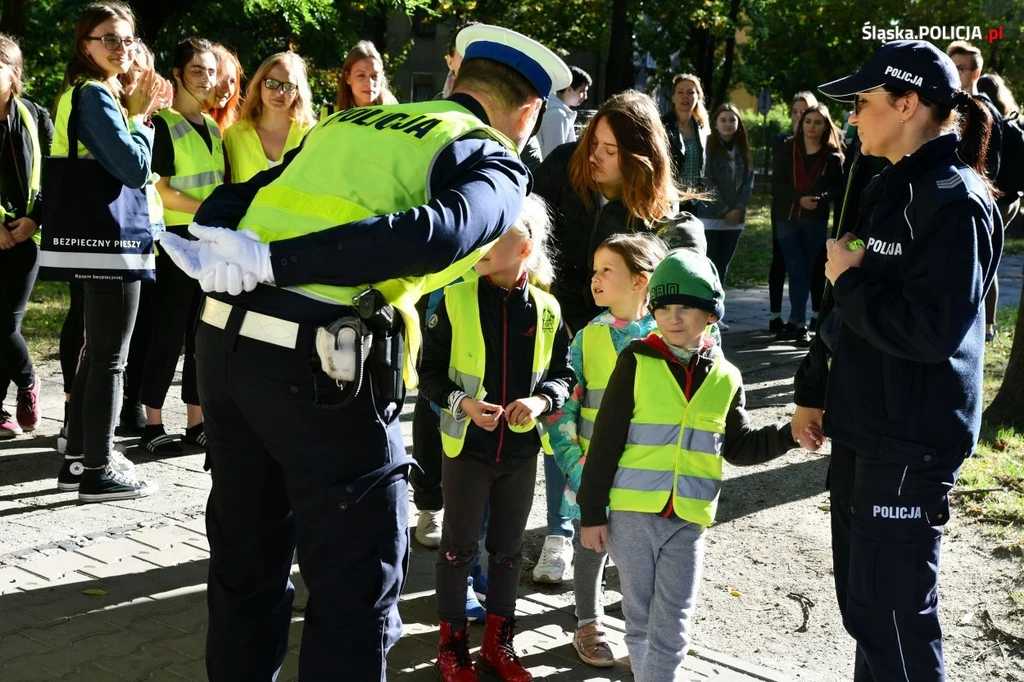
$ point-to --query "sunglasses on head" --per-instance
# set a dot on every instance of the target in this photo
(272, 84)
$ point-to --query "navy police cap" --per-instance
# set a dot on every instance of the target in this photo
(539, 65)
(905, 65)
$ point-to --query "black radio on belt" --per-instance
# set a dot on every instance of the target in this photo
(388, 348)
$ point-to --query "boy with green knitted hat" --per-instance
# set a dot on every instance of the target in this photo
(673, 409)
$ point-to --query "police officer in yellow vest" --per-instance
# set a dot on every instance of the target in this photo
(672, 411)
(305, 446)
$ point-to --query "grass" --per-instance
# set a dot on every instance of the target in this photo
(1013, 246)
(754, 254)
(996, 472)
(44, 318)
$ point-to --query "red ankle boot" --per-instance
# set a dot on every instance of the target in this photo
(453, 661)
(498, 654)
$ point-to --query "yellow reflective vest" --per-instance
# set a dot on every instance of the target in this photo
(246, 156)
(198, 169)
(469, 355)
(365, 162)
(599, 359)
(674, 445)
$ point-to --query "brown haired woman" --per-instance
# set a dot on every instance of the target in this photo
(807, 177)
(25, 135)
(277, 114)
(227, 97)
(617, 178)
(363, 82)
(688, 128)
(729, 175)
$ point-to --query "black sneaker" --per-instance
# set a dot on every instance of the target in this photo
(788, 332)
(156, 440)
(802, 338)
(108, 483)
(133, 418)
(62, 437)
(776, 325)
(70, 473)
(195, 435)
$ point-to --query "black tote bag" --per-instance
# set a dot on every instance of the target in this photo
(94, 227)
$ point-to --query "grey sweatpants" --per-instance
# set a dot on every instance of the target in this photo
(659, 564)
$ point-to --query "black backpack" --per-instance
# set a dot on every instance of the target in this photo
(1010, 180)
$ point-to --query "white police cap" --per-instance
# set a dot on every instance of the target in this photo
(539, 65)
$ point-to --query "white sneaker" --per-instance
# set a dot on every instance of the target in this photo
(554, 558)
(428, 527)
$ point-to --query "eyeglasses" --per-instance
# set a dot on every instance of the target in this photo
(272, 84)
(859, 103)
(113, 42)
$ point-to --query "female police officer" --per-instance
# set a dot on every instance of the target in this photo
(376, 193)
(902, 399)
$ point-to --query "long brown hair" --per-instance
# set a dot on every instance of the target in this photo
(302, 105)
(831, 138)
(648, 191)
(641, 251)
(10, 54)
(739, 140)
(81, 65)
(229, 113)
(992, 84)
(364, 49)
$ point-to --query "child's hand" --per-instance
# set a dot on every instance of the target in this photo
(806, 428)
(594, 537)
(484, 415)
(521, 412)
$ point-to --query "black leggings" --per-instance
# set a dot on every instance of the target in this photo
(175, 309)
(18, 268)
(110, 309)
(72, 335)
(776, 273)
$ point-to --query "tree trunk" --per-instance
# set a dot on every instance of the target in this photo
(1008, 407)
(12, 17)
(722, 91)
(619, 74)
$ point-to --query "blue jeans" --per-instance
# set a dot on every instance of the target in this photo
(554, 488)
(800, 241)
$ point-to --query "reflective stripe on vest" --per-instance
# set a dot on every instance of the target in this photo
(246, 156)
(365, 162)
(599, 358)
(674, 446)
(198, 169)
(469, 356)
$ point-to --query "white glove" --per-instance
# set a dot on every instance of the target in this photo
(223, 260)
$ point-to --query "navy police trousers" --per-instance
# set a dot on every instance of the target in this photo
(288, 475)
(887, 518)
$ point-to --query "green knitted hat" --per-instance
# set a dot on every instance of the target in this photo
(688, 278)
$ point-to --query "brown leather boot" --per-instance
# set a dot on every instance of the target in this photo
(498, 654)
(453, 661)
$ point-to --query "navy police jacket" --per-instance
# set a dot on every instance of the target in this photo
(907, 332)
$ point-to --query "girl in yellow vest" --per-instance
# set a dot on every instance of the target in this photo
(672, 410)
(363, 81)
(623, 264)
(276, 115)
(189, 158)
(495, 359)
(227, 99)
(25, 136)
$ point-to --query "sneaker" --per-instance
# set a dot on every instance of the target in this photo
(787, 333)
(110, 483)
(195, 435)
(9, 427)
(776, 325)
(475, 612)
(133, 418)
(28, 406)
(70, 475)
(62, 437)
(554, 558)
(802, 338)
(990, 337)
(591, 644)
(479, 582)
(428, 527)
(156, 440)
